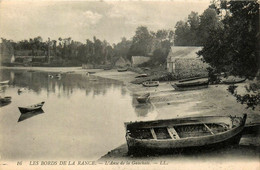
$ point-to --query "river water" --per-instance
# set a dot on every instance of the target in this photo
(83, 116)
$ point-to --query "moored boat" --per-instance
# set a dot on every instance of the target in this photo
(191, 84)
(141, 75)
(122, 69)
(31, 108)
(143, 98)
(233, 80)
(184, 133)
(91, 72)
(151, 83)
(19, 91)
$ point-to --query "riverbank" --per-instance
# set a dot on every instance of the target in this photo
(168, 103)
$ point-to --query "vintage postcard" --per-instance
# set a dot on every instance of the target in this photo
(129, 84)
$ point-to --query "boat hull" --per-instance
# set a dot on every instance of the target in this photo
(32, 108)
(197, 87)
(121, 70)
(25, 110)
(141, 148)
(229, 137)
(144, 98)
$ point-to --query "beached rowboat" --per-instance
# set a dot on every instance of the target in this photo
(141, 75)
(31, 108)
(184, 133)
(122, 69)
(151, 83)
(191, 84)
(143, 98)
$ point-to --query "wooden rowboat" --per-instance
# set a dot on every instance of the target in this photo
(31, 108)
(143, 98)
(184, 133)
(122, 69)
(141, 75)
(191, 84)
(151, 83)
(233, 80)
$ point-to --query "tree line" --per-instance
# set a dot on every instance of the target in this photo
(143, 43)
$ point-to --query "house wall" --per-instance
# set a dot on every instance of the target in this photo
(136, 60)
(190, 67)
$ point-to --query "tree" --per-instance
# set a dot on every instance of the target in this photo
(142, 43)
(232, 48)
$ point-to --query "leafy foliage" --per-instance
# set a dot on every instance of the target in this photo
(232, 47)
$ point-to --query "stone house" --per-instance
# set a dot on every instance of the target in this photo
(121, 62)
(184, 62)
(137, 60)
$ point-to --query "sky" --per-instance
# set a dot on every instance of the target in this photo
(81, 20)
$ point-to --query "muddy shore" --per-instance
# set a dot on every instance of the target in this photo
(168, 103)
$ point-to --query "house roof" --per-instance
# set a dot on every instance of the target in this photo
(183, 52)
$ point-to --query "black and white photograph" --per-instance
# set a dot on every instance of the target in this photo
(129, 84)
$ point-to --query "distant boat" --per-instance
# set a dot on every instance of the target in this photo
(122, 69)
(51, 76)
(151, 83)
(6, 99)
(143, 98)
(4, 82)
(20, 90)
(31, 108)
(141, 75)
(233, 80)
(91, 72)
(184, 133)
(195, 84)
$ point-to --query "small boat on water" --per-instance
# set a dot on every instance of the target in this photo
(20, 90)
(151, 83)
(141, 75)
(184, 133)
(143, 98)
(4, 82)
(6, 99)
(122, 69)
(50, 76)
(194, 84)
(31, 108)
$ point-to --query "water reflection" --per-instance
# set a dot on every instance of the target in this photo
(28, 115)
(79, 113)
(38, 81)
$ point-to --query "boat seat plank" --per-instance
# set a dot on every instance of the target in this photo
(153, 133)
(209, 129)
(173, 133)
